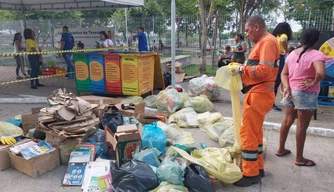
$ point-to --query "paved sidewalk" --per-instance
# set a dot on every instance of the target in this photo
(282, 174)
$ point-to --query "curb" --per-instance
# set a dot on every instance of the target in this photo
(35, 100)
(318, 131)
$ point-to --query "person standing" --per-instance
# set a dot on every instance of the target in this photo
(19, 48)
(258, 76)
(301, 76)
(67, 43)
(35, 60)
(283, 33)
(105, 41)
(142, 41)
(240, 50)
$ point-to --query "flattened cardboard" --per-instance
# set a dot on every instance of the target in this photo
(36, 110)
(124, 143)
(92, 99)
(36, 166)
(55, 140)
(141, 118)
(179, 77)
(29, 122)
(140, 108)
(4, 156)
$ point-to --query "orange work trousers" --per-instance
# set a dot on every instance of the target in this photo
(256, 106)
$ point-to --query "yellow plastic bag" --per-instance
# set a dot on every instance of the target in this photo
(218, 162)
(8, 129)
(167, 187)
(175, 135)
(234, 84)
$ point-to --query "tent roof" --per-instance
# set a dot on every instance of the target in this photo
(54, 5)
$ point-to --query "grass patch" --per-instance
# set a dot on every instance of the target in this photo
(193, 69)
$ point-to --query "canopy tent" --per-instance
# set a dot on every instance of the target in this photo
(54, 5)
(57, 5)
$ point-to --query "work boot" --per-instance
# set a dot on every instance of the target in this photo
(248, 181)
(262, 173)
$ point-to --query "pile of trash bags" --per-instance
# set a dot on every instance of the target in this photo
(204, 85)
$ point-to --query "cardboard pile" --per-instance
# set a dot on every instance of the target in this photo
(179, 73)
(69, 116)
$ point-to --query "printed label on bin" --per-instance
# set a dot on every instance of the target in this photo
(113, 73)
(81, 70)
(96, 71)
(129, 71)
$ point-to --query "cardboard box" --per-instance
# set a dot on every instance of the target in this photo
(29, 121)
(55, 140)
(149, 118)
(4, 157)
(100, 100)
(140, 108)
(36, 166)
(124, 141)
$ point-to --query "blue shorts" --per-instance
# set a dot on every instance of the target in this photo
(302, 100)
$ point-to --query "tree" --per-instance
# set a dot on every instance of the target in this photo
(205, 21)
(246, 8)
(312, 13)
(151, 10)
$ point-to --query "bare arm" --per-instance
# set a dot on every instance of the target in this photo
(320, 72)
(285, 77)
(62, 44)
(244, 47)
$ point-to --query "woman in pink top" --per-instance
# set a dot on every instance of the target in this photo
(304, 69)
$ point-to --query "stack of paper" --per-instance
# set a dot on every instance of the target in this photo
(97, 177)
(36, 150)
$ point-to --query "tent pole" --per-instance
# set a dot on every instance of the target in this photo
(24, 17)
(173, 42)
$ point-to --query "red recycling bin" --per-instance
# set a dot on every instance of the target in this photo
(113, 74)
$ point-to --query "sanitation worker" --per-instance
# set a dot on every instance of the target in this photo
(258, 76)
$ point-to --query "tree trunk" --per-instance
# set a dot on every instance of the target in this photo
(187, 34)
(178, 31)
(241, 15)
(214, 37)
(205, 20)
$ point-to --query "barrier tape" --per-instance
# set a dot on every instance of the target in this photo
(61, 51)
(41, 77)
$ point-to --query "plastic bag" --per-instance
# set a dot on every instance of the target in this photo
(216, 161)
(197, 180)
(227, 81)
(234, 84)
(209, 118)
(112, 120)
(168, 101)
(171, 171)
(167, 187)
(200, 104)
(8, 129)
(132, 99)
(204, 85)
(154, 135)
(150, 101)
(185, 118)
(134, 176)
(148, 155)
(175, 135)
(227, 138)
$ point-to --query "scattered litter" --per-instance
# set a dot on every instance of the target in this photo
(204, 85)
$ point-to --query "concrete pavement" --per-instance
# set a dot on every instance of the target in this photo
(282, 174)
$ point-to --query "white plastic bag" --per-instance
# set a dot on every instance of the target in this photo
(185, 118)
(150, 101)
(168, 101)
(204, 85)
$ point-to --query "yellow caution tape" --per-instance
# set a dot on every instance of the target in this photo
(62, 51)
(41, 77)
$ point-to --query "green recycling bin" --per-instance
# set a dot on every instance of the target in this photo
(81, 72)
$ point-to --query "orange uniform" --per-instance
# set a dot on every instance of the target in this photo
(260, 70)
